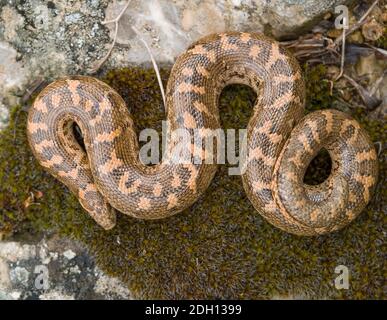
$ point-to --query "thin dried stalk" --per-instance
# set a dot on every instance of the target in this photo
(115, 21)
(155, 67)
(357, 25)
(369, 101)
(342, 60)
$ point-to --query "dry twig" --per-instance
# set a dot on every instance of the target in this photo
(369, 101)
(313, 46)
(357, 25)
(104, 59)
(380, 147)
(342, 60)
(32, 89)
(154, 66)
(377, 83)
(115, 21)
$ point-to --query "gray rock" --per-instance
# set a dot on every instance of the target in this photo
(19, 275)
(13, 295)
(15, 251)
(5, 280)
(13, 76)
(54, 38)
(55, 295)
(13, 21)
(170, 26)
(69, 254)
(73, 18)
(110, 287)
(4, 116)
(63, 264)
(48, 39)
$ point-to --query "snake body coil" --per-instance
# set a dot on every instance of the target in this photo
(280, 142)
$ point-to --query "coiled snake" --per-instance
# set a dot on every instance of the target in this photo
(280, 141)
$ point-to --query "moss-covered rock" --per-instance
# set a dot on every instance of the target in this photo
(220, 247)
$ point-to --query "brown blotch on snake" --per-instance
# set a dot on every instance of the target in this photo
(280, 141)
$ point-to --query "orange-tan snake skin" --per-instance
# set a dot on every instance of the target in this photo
(281, 142)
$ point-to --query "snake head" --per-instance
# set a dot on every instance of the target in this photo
(100, 210)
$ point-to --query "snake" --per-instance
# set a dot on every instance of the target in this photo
(107, 176)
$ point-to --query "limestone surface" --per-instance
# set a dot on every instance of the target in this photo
(54, 268)
(47, 39)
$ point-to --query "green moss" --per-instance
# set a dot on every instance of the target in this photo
(29, 198)
(317, 88)
(382, 41)
(218, 248)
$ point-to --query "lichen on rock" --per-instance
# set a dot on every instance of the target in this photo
(67, 279)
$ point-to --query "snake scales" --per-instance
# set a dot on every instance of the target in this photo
(280, 141)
